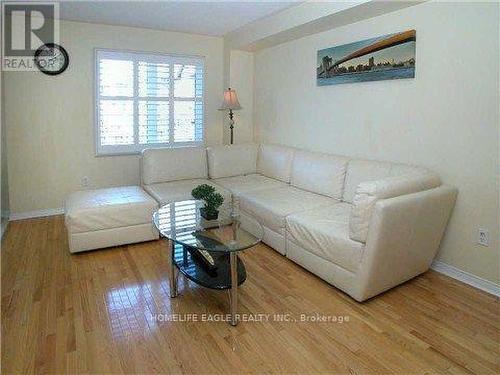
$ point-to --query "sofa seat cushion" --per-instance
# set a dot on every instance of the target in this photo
(93, 210)
(271, 206)
(167, 192)
(244, 184)
(324, 232)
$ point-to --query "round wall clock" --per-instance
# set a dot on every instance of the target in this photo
(51, 59)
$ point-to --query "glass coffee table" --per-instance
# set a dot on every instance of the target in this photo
(206, 252)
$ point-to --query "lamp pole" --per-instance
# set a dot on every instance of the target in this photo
(231, 124)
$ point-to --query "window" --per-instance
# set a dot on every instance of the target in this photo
(147, 100)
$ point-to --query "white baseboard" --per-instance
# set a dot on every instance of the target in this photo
(32, 214)
(467, 278)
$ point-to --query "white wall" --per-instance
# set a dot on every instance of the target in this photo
(241, 79)
(50, 120)
(446, 118)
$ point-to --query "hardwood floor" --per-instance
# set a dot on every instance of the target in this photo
(100, 312)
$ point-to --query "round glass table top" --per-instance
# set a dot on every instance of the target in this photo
(182, 223)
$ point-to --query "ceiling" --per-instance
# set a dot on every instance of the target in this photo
(214, 18)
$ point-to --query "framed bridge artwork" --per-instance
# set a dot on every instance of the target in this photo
(386, 57)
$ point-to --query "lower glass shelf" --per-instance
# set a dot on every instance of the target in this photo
(196, 271)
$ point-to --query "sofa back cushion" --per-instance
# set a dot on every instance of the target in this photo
(171, 164)
(319, 173)
(359, 171)
(233, 160)
(275, 162)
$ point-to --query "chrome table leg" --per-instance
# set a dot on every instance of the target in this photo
(173, 270)
(233, 293)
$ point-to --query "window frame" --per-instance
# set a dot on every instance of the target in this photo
(137, 148)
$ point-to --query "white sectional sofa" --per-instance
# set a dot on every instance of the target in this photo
(363, 226)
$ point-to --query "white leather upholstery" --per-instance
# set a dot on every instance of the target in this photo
(167, 192)
(243, 184)
(275, 162)
(402, 242)
(111, 237)
(369, 170)
(171, 164)
(319, 173)
(325, 232)
(271, 206)
(328, 271)
(403, 239)
(276, 240)
(109, 217)
(386, 231)
(368, 193)
(233, 160)
(91, 210)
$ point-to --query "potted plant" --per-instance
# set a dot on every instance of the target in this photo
(212, 199)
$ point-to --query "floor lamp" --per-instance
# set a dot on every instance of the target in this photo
(230, 102)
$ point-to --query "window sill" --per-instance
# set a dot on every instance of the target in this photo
(105, 154)
(100, 154)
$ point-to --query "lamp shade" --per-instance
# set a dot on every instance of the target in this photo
(230, 100)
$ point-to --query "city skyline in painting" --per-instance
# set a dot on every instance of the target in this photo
(386, 57)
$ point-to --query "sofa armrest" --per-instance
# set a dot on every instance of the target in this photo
(369, 193)
(403, 239)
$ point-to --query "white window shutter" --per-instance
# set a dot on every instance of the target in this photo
(188, 106)
(146, 100)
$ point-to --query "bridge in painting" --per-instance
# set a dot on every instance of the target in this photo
(391, 41)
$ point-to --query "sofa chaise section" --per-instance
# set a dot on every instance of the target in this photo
(109, 217)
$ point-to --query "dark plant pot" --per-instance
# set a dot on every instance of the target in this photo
(209, 214)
